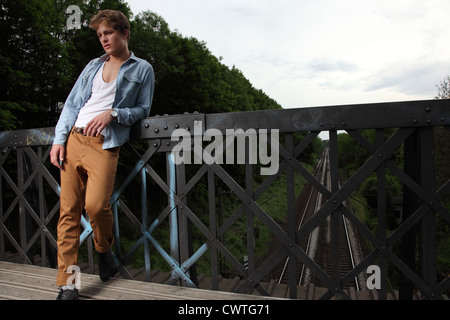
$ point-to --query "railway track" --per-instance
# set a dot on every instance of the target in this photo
(318, 244)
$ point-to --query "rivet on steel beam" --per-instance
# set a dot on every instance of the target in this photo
(157, 130)
(147, 126)
(415, 121)
(155, 144)
(166, 127)
(428, 109)
(177, 126)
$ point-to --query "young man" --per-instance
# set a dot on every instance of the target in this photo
(112, 93)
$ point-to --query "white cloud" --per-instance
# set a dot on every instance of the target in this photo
(322, 52)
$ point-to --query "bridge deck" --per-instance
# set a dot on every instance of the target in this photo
(28, 282)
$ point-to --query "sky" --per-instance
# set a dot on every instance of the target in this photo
(305, 53)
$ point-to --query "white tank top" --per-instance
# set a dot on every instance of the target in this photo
(102, 99)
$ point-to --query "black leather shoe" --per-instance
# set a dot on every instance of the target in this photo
(68, 294)
(106, 268)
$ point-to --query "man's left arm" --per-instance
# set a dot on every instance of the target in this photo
(141, 110)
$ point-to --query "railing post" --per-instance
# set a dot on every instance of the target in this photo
(173, 217)
(24, 219)
(382, 214)
(336, 215)
(291, 219)
(427, 228)
(144, 201)
(181, 247)
(410, 205)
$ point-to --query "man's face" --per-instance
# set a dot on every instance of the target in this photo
(113, 41)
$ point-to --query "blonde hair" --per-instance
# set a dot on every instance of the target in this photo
(113, 18)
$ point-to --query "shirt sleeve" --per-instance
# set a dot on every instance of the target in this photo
(70, 110)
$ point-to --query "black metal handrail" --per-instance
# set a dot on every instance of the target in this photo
(29, 202)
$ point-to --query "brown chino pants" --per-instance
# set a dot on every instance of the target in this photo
(87, 181)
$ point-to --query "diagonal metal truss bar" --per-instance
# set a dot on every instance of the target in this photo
(292, 161)
(212, 239)
(256, 276)
(16, 245)
(355, 181)
(361, 267)
(135, 171)
(429, 199)
(39, 167)
(431, 202)
(39, 222)
(9, 181)
(275, 228)
(179, 274)
(410, 274)
(443, 286)
(171, 261)
(270, 179)
(284, 164)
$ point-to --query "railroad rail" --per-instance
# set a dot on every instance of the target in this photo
(306, 210)
(29, 202)
(313, 247)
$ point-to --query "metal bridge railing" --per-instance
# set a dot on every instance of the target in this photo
(266, 146)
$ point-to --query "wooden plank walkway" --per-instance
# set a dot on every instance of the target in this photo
(28, 282)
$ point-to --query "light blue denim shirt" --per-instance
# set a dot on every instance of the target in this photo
(134, 94)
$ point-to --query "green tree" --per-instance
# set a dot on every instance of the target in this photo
(444, 89)
(189, 78)
(33, 60)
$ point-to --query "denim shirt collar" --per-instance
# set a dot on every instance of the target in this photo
(106, 56)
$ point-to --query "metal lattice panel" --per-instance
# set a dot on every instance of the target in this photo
(25, 155)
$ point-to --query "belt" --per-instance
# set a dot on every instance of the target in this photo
(79, 131)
